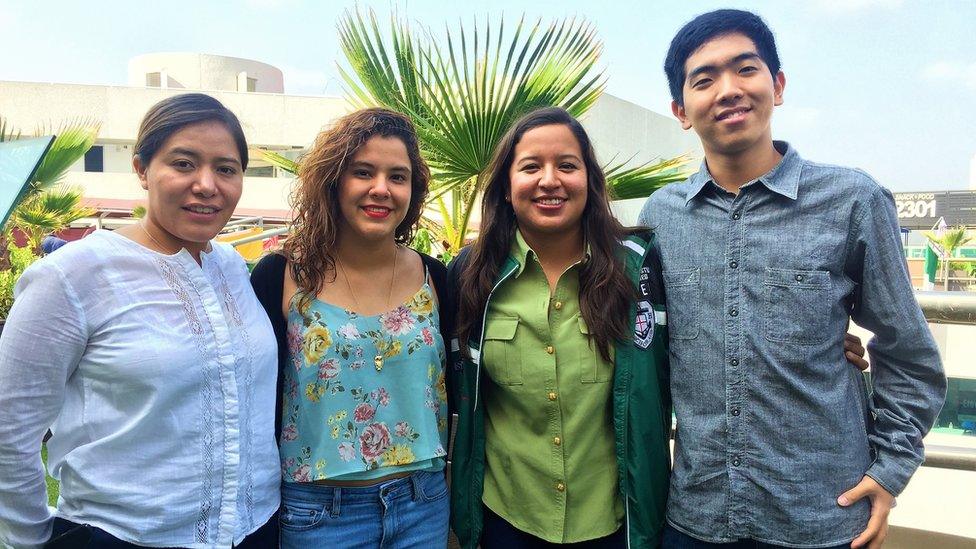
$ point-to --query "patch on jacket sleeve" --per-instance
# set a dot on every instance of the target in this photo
(644, 325)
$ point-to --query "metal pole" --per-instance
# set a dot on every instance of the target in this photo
(263, 236)
(257, 220)
(948, 307)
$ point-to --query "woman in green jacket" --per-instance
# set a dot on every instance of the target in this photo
(561, 374)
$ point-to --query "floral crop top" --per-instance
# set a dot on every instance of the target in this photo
(365, 396)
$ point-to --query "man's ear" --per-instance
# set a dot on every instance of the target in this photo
(679, 113)
(779, 84)
(140, 169)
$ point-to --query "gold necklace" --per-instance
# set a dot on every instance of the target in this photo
(162, 248)
(378, 359)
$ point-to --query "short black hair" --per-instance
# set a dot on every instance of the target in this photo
(175, 113)
(711, 25)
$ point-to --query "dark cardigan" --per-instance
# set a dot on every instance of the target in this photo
(268, 279)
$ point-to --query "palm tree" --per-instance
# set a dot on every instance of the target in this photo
(463, 94)
(947, 244)
(48, 206)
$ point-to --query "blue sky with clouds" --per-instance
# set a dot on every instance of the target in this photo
(885, 85)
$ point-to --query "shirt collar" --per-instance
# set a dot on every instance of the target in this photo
(522, 253)
(783, 179)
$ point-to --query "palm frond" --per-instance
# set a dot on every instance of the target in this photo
(641, 181)
(951, 239)
(49, 211)
(465, 91)
(280, 161)
(72, 142)
(6, 132)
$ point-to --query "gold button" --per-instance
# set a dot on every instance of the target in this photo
(557, 441)
(558, 305)
(552, 395)
(550, 349)
(560, 487)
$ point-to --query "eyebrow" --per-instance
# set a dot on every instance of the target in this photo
(712, 68)
(560, 157)
(364, 164)
(196, 156)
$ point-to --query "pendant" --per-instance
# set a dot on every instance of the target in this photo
(378, 362)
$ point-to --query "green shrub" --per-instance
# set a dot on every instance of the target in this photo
(20, 259)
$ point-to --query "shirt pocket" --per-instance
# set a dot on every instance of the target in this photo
(501, 355)
(593, 369)
(797, 306)
(683, 293)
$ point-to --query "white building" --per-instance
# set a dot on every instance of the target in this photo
(271, 119)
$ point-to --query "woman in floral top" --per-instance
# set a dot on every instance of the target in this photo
(361, 352)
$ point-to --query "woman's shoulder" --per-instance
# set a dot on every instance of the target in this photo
(89, 252)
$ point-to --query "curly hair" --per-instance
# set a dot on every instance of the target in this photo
(310, 248)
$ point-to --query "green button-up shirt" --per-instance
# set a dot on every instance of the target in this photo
(551, 470)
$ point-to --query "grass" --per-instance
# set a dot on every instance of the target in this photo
(52, 485)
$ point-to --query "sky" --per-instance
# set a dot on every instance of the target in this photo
(888, 86)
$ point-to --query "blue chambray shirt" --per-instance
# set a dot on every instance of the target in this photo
(773, 423)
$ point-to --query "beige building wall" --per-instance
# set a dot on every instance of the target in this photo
(197, 71)
(620, 130)
(269, 120)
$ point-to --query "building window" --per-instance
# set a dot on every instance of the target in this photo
(252, 84)
(259, 171)
(95, 159)
(153, 80)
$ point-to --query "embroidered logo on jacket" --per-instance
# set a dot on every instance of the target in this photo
(644, 325)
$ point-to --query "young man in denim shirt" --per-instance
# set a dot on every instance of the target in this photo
(767, 257)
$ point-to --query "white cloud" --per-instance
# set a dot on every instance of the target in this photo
(951, 71)
(849, 6)
(301, 81)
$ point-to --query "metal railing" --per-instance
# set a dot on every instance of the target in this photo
(949, 308)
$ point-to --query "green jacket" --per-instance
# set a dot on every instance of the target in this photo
(641, 408)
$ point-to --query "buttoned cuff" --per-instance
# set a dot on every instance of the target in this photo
(892, 472)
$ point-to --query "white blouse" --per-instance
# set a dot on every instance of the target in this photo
(159, 377)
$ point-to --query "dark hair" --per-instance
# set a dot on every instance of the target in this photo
(310, 248)
(711, 25)
(606, 293)
(175, 113)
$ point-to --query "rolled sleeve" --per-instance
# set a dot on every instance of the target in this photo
(907, 374)
(42, 342)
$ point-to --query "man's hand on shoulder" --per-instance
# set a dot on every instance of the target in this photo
(881, 503)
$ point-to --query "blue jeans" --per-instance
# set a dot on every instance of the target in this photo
(676, 539)
(406, 512)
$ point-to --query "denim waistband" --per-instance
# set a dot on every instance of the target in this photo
(409, 486)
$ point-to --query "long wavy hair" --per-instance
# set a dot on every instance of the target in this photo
(606, 293)
(312, 244)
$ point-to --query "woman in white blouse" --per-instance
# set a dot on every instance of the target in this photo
(148, 356)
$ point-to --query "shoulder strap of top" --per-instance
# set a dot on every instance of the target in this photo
(437, 273)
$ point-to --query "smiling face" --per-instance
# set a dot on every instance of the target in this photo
(547, 181)
(729, 95)
(374, 191)
(194, 182)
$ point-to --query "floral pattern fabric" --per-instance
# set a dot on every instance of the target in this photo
(345, 418)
